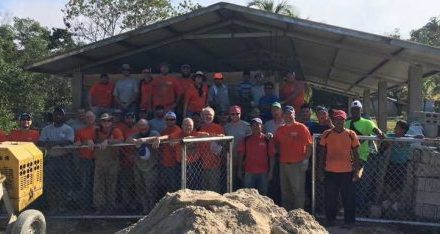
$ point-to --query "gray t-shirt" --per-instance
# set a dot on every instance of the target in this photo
(157, 124)
(127, 90)
(271, 127)
(238, 130)
(219, 97)
(52, 133)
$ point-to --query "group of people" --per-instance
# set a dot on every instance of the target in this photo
(271, 151)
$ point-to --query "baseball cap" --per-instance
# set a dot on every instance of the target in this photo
(199, 73)
(170, 114)
(356, 103)
(218, 76)
(321, 108)
(59, 110)
(146, 70)
(289, 109)
(185, 66)
(25, 116)
(276, 104)
(256, 120)
(268, 85)
(234, 109)
(339, 114)
(129, 114)
(106, 116)
(125, 67)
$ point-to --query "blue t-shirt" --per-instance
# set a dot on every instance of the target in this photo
(316, 128)
(265, 106)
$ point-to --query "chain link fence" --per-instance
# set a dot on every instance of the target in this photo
(128, 180)
(400, 181)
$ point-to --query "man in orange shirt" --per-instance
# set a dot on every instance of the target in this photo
(211, 153)
(146, 90)
(258, 153)
(293, 91)
(166, 89)
(106, 164)
(294, 143)
(24, 133)
(101, 95)
(85, 136)
(340, 156)
(196, 96)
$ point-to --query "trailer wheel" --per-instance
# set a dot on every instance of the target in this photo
(30, 221)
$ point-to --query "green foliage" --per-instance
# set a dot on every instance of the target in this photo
(283, 7)
(22, 42)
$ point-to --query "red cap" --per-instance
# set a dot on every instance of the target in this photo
(339, 114)
(218, 75)
(234, 109)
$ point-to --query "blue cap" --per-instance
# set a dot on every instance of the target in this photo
(170, 114)
(25, 116)
(289, 109)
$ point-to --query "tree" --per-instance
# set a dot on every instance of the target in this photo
(22, 42)
(283, 7)
(187, 6)
(429, 34)
(93, 20)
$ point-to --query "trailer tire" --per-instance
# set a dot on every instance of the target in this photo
(30, 221)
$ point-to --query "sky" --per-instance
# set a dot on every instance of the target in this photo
(373, 16)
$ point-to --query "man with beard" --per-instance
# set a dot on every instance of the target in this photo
(24, 133)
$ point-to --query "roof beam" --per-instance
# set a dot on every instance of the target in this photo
(335, 56)
(228, 35)
(282, 31)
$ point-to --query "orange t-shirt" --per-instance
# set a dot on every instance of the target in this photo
(287, 90)
(185, 83)
(24, 135)
(146, 92)
(102, 94)
(209, 159)
(116, 134)
(128, 152)
(169, 158)
(195, 101)
(339, 148)
(82, 136)
(3, 136)
(292, 140)
(192, 150)
(258, 150)
(166, 89)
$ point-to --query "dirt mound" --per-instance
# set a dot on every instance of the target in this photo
(243, 211)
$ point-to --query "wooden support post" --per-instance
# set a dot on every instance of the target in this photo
(382, 106)
(367, 102)
(415, 98)
(77, 90)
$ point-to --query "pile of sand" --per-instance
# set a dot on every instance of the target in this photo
(243, 211)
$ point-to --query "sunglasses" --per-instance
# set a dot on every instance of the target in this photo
(234, 114)
(170, 119)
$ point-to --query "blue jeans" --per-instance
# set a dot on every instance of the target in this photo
(257, 181)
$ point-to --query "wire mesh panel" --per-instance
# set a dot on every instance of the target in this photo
(400, 181)
(128, 179)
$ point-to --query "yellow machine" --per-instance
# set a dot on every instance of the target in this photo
(21, 183)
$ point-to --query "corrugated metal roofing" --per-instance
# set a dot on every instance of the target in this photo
(228, 37)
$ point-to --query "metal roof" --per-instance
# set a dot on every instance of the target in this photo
(228, 37)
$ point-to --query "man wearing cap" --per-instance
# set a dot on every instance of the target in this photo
(293, 142)
(265, 102)
(85, 136)
(218, 96)
(293, 91)
(24, 133)
(58, 163)
(101, 95)
(364, 127)
(257, 153)
(79, 120)
(257, 90)
(146, 162)
(196, 96)
(166, 89)
(340, 160)
(158, 123)
(146, 90)
(270, 127)
(126, 91)
(170, 168)
(239, 129)
(106, 164)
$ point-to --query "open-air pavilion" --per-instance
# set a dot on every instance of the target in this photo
(227, 37)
